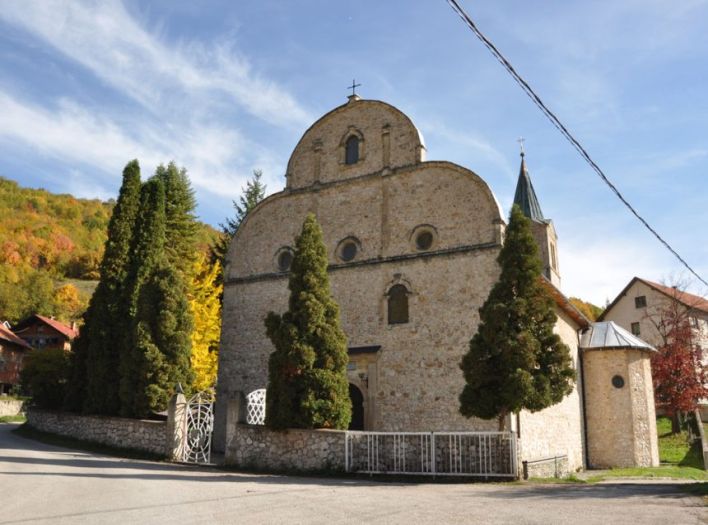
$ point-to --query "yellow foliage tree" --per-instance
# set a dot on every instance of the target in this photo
(206, 310)
(70, 302)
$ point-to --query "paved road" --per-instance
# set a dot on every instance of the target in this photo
(45, 484)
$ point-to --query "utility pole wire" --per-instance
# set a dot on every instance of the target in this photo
(563, 130)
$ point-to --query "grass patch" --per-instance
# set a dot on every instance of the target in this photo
(19, 418)
(666, 471)
(29, 432)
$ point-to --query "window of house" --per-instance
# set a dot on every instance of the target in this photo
(554, 261)
(693, 321)
(398, 304)
(635, 328)
(640, 301)
(352, 150)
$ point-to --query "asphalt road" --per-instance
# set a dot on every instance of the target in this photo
(45, 484)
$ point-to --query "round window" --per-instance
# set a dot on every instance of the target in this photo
(424, 240)
(285, 259)
(348, 251)
(618, 381)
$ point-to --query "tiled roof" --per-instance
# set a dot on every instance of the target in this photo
(60, 327)
(685, 298)
(69, 332)
(7, 335)
(610, 336)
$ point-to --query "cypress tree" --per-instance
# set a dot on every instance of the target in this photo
(146, 257)
(157, 346)
(162, 344)
(95, 358)
(515, 361)
(307, 382)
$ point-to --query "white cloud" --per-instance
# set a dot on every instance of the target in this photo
(104, 38)
(597, 270)
(213, 155)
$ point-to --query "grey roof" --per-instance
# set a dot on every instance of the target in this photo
(610, 336)
(525, 196)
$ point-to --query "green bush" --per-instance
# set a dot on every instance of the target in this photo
(44, 376)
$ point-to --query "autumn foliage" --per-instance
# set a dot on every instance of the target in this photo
(678, 372)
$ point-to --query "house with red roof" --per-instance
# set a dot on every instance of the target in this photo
(12, 354)
(638, 309)
(42, 332)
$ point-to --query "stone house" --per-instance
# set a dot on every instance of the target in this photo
(12, 354)
(413, 247)
(46, 333)
(638, 308)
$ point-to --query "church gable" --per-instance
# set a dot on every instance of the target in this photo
(358, 138)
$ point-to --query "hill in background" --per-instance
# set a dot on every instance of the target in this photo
(50, 251)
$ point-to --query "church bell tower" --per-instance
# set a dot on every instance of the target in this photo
(543, 230)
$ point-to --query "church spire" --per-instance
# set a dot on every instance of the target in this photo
(525, 195)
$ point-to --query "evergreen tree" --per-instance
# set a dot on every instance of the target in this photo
(206, 310)
(515, 361)
(95, 361)
(147, 255)
(161, 341)
(181, 226)
(251, 195)
(307, 381)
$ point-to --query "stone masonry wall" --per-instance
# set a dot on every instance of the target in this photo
(418, 379)
(10, 407)
(621, 421)
(557, 430)
(147, 436)
(260, 448)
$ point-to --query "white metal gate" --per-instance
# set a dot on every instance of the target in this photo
(488, 454)
(199, 423)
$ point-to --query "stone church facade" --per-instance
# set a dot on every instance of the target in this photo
(413, 247)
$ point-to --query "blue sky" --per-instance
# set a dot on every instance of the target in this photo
(226, 87)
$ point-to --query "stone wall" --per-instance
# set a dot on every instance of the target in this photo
(621, 422)
(416, 380)
(556, 467)
(557, 430)
(10, 407)
(146, 436)
(257, 447)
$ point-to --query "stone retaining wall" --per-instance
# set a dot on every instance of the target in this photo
(10, 407)
(257, 447)
(556, 467)
(147, 436)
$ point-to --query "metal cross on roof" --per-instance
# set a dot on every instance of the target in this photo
(521, 141)
(353, 87)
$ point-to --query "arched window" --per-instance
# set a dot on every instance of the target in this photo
(398, 304)
(352, 150)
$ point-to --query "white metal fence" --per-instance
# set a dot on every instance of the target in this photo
(488, 454)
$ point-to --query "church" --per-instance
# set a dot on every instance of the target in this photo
(413, 247)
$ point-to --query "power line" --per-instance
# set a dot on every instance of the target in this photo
(563, 130)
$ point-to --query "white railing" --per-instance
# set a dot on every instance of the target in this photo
(256, 407)
(488, 454)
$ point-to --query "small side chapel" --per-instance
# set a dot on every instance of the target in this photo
(413, 247)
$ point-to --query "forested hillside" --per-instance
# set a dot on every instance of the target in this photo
(50, 249)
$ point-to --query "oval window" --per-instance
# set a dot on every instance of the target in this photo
(348, 251)
(618, 381)
(424, 240)
(285, 259)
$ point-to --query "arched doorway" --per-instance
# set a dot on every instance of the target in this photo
(357, 399)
